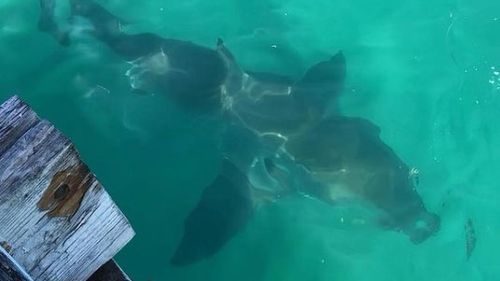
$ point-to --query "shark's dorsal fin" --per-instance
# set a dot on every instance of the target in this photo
(235, 77)
(322, 83)
(224, 52)
(332, 70)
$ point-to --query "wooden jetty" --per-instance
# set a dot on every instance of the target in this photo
(56, 220)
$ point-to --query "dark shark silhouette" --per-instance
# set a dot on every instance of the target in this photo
(224, 208)
(341, 156)
(262, 107)
(191, 74)
(281, 136)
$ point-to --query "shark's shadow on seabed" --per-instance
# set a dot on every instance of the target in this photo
(280, 138)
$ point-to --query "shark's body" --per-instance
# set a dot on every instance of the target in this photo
(344, 156)
(329, 157)
(279, 136)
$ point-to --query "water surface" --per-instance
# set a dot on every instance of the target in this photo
(426, 72)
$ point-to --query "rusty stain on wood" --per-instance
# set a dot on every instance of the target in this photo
(66, 190)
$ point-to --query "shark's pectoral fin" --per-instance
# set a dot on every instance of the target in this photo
(223, 51)
(224, 208)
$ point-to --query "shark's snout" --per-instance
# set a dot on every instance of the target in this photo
(424, 226)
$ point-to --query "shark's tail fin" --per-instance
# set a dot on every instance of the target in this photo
(47, 10)
(106, 25)
(47, 23)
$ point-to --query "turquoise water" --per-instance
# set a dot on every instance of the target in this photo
(426, 73)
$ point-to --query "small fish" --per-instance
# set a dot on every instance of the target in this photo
(470, 238)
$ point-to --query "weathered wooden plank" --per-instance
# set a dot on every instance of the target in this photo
(60, 222)
(10, 270)
(16, 119)
(109, 272)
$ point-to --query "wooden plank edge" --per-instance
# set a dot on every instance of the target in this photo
(110, 271)
(9, 268)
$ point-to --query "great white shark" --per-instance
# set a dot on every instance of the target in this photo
(317, 152)
(282, 135)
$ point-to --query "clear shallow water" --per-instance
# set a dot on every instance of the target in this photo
(425, 73)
